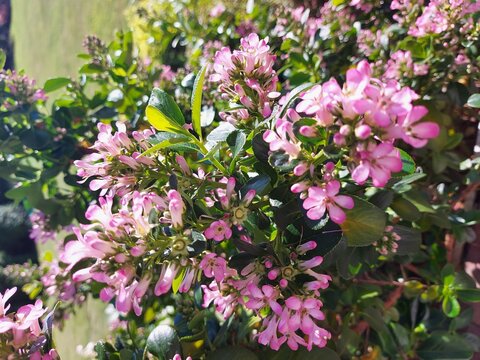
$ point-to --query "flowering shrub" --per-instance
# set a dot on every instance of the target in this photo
(315, 213)
(20, 332)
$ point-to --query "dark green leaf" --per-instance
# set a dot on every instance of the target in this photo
(232, 353)
(365, 223)
(260, 184)
(236, 140)
(36, 139)
(441, 345)
(410, 241)
(469, 295)
(163, 342)
(285, 353)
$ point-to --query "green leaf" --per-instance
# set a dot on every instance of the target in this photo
(408, 164)
(36, 139)
(365, 223)
(260, 184)
(163, 113)
(451, 306)
(474, 101)
(55, 84)
(178, 280)
(236, 140)
(3, 58)
(382, 199)
(232, 353)
(292, 95)
(172, 141)
(441, 345)
(221, 132)
(469, 295)
(197, 100)
(410, 241)
(420, 200)
(405, 209)
(164, 342)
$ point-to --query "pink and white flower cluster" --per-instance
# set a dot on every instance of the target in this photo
(364, 117)
(116, 242)
(246, 76)
(39, 231)
(262, 286)
(117, 159)
(22, 89)
(20, 332)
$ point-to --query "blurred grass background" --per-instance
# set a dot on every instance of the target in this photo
(47, 37)
(48, 34)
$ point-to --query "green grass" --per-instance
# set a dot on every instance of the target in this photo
(47, 37)
(48, 34)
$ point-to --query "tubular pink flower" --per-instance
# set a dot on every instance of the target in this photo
(176, 207)
(164, 283)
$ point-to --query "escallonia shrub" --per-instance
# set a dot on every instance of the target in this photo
(259, 215)
(307, 218)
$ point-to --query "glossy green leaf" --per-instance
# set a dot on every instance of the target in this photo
(197, 100)
(365, 223)
(163, 113)
(164, 342)
(221, 132)
(474, 101)
(408, 164)
(236, 141)
(177, 281)
(260, 184)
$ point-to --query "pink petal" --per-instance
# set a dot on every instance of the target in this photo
(336, 214)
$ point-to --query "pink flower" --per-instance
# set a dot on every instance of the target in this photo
(325, 198)
(3, 300)
(269, 336)
(176, 207)
(225, 305)
(217, 10)
(417, 133)
(266, 296)
(87, 246)
(218, 230)
(254, 63)
(213, 266)
(304, 313)
(164, 283)
(377, 162)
